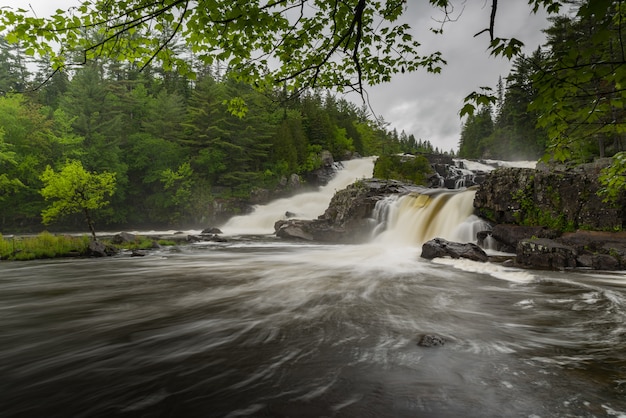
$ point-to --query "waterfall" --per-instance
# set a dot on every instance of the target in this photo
(307, 205)
(418, 217)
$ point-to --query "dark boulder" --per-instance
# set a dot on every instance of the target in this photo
(206, 238)
(100, 249)
(324, 174)
(543, 253)
(439, 247)
(211, 230)
(309, 230)
(506, 236)
(430, 340)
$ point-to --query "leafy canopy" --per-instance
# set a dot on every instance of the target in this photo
(340, 44)
(74, 189)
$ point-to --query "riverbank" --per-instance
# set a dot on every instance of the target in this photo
(47, 245)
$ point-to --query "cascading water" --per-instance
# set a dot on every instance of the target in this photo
(260, 327)
(407, 220)
(304, 205)
(415, 218)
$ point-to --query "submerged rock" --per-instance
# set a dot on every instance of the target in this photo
(439, 247)
(430, 340)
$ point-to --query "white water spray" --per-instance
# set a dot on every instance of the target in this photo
(417, 218)
(308, 205)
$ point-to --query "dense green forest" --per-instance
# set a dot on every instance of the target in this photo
(174, 146)
(564, 102)
(177, 111)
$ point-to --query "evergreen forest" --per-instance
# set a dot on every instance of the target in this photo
(174, 147)
(562, 103)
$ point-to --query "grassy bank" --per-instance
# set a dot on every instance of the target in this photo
(47, 245)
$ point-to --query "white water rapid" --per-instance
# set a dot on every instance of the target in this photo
(416, 218)
(304, 205)
(408, 220)
(255, 326)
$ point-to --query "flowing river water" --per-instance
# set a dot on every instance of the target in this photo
(259, 327)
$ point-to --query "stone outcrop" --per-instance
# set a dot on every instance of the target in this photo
(100, 249)
(553, 199)
(439, 247)
(583, 249)
(348, 216)
(505, 237)
(562, 200)
(544, 253)
(322, 175)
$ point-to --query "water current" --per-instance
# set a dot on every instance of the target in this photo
(259, 327)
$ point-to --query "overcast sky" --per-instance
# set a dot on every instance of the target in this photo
(427, 105)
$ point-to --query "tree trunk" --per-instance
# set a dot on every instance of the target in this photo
(91, 225)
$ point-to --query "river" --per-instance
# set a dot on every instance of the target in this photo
(259, 327)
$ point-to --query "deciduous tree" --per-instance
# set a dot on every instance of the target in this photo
(74, 189)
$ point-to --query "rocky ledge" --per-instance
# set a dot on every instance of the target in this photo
(510, 199)
(553, 200)
(348, 218)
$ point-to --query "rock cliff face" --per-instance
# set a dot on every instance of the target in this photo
(553, 219)
(563, 200)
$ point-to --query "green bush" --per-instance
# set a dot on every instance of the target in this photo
(404, 168)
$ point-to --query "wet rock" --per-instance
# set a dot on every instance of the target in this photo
(100, 249)
(348, 216)
(123, 238)
(431, 340)
(206, 238)
(506, 236)
(211, 230)
(543, 253)
(297, 229)
(439, 247)
(324, 174)
(565, 198)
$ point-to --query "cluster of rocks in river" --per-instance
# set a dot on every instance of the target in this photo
(510, 199)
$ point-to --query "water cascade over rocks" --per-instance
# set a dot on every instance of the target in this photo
(418, 217)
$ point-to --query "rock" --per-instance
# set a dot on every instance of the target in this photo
(439, 247)
(205, 238)
(137, 253)
(123, 238)
(348, 216)
(507, 236)
(561, 199)
(211, 231)
(543, 253)
(321, 176)
(309, 230)
(431, 340)
(294, 230)
(99, 249)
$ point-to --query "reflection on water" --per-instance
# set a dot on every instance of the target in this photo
(264, 328)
